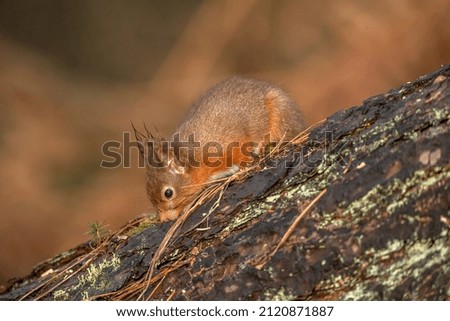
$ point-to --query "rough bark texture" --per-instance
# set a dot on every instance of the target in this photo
(380, 231)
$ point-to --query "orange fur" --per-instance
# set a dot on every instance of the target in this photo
(237, 111)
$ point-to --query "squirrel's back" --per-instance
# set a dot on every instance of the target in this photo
(238, 109)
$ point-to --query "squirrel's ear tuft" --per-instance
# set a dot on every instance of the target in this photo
(150, 146)
(140, 141)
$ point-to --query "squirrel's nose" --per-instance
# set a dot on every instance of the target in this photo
(169, 215)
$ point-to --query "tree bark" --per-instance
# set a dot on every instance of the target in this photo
(376, 178)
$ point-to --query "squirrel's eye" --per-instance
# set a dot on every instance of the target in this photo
(168, 193)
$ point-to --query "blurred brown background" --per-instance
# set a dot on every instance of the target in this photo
(73, 74)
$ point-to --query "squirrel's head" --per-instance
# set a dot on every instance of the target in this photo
(169, 186)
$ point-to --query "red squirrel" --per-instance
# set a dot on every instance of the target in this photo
(223, 131)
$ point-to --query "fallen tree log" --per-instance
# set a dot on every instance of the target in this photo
(363, 205)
